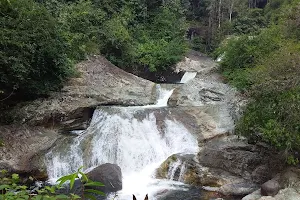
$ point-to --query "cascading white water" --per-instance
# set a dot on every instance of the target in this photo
(130, 137)
(188, 76)
(176, 167)
(173, 168)
(163, 96)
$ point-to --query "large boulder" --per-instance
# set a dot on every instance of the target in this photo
(186, 169)
(99, 82)
(108, 174)
(257, 163)
(225, 164)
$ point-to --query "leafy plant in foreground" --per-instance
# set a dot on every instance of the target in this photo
(87, 185)
(11, 188)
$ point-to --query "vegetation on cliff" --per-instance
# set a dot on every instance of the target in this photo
(41, 40)
(264, 63)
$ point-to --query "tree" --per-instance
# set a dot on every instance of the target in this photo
(33, 58)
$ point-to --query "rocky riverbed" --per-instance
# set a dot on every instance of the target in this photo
(225, 165)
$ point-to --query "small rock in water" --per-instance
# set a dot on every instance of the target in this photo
(108, 174)
(270, 188)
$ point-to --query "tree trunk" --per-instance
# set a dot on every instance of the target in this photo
(219, 13)
(231, 10)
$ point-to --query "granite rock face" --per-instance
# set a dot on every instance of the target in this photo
(36, 125)
(99, 82)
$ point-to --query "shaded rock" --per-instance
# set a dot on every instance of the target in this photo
(288, 181)
(108, 174)
(166, 76)
(290, 178)
(188, 193)
(285, 194)
(234, 155)
(270, 188)
(253, 196)
(238, 189)
(23, 148)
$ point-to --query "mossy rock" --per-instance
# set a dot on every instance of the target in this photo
(162, 171)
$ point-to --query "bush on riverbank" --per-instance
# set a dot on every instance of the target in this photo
(266, 67)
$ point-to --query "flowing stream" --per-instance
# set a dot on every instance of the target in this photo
(134, 138)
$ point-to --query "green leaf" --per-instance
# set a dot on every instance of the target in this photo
(89, 196)
(80, 168)
(84, 177)
(72, 181)
(95, 192)
(2, 187)
(64, 179)
(23, 187)
(62, 196)
(75, 196)
(15, 176)
(94, 184)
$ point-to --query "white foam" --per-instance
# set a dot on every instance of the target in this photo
(188, 76)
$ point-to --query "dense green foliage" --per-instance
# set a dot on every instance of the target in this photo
(265, 65)
(251, 22)
(41, 40)
(33, 58)
(12, 188)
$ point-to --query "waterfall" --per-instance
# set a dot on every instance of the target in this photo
(163, 96)
(176, 170)
(188, 76)
(131, 137)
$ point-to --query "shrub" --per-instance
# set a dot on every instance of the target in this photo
(161, 43)
(250, 23)
(274, 114)
(245, 51)
(11, 188)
